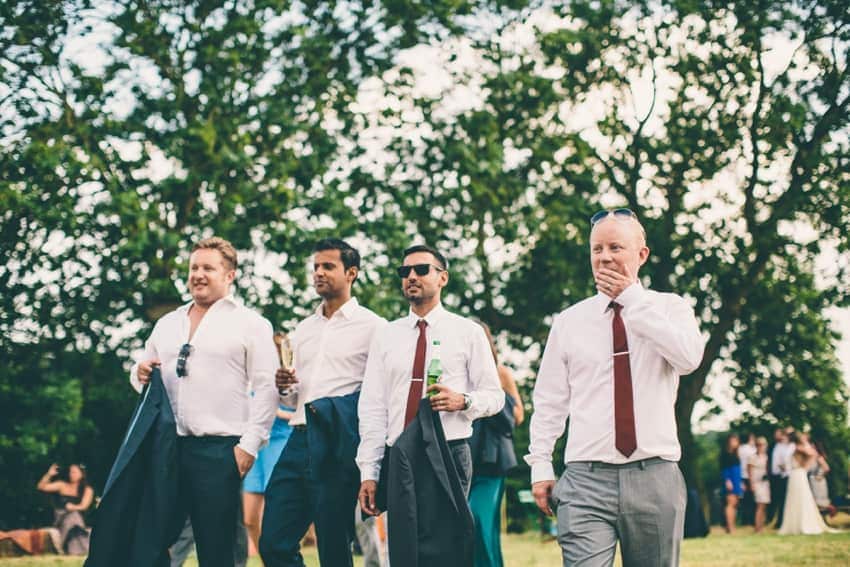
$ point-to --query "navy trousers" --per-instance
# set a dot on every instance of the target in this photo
(209, 494)
(296, 496)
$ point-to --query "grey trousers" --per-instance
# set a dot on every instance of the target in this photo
(641, 504)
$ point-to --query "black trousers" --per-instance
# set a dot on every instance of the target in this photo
(778, 488)
(209, 494)
(462, 456)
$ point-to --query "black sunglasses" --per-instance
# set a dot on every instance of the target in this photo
(420, 269)
(622, 213)
(181, 359)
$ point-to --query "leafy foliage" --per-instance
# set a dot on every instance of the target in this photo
(490, 129)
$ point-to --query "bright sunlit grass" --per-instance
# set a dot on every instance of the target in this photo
(528, 550)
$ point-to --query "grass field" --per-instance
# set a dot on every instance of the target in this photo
(742, 549)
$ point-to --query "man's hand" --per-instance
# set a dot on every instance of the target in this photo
(446, 399)
(542, 491)
(285, 378)
(244, 460)
(143, 373)
(613, 283)
(368, 489)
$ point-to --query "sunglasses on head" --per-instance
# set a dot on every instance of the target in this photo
(181, 359)
(620, 213)
(420, 269)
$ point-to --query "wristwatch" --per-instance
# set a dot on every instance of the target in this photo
(467, 401)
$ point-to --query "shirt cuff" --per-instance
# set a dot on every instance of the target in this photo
(542, 471)
(250, 445)
(631, 295)
(370, 473)
(134, 378)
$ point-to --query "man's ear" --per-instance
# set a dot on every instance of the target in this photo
(643, 255)
(351, 274)
(231, 275)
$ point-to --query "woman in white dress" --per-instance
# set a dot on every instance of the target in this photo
(801, 514)
(757, 471)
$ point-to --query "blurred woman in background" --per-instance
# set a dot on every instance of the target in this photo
(71, 497)
(757, 472)
(492, 457)
(730, 473)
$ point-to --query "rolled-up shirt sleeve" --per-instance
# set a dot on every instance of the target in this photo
(149, 354)
(670, 326)
(261, 362)
(372, 411)
(551, 400)
(486, 395)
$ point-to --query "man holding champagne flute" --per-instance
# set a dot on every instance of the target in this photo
(330, 348)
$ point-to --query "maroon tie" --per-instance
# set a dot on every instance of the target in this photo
(415, 392)
(624, 412)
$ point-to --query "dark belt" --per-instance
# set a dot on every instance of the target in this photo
(457, 442)
(301, 428)
(642, 464)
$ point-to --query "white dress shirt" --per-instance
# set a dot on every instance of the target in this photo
(330, 354)
(782, 459)
(576, 378)
(232, 354)
(468, 367)
(746, 451)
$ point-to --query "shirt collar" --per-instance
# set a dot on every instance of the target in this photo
(604, 302)
(229, 298)
(432, 317)
(347, 310)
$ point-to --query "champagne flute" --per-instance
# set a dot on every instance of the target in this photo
(287, 356)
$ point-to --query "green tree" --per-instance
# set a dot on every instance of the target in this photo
(724, 125)
(129, 130)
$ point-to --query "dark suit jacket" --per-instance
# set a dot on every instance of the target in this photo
(492, 442)
(430, 523)
(134, 522)
(333, 436)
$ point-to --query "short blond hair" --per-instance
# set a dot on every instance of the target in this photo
(228, 252)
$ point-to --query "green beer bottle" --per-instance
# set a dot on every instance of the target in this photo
(435, 368)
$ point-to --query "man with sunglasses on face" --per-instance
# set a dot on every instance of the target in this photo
(330, 348)
(393, 385)
(612, 365)
(212, 352)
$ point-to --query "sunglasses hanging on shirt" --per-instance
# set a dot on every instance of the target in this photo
(185, 350)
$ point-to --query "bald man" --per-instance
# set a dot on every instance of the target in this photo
(612, 365)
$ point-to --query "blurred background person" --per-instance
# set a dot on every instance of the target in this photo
(492, 457)
(780, 466)
(72, 496)
(746, 451)
(255, 482)
(817, 479)
(801, 514)
(759, 484)
(730, 473)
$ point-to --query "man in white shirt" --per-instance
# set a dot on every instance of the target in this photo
(330, 348)
(469, 388)
(612, 365)
(747, 451)
(212, 353)
(780, 467)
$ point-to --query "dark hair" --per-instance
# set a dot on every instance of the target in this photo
(432, 251)
(348, 254)
(729, 438)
